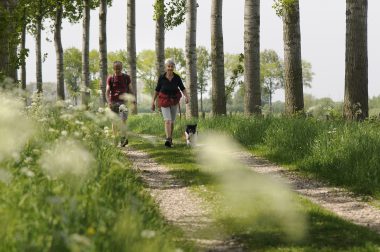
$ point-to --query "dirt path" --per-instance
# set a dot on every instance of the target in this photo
(340, 201)
(178, 205)
(188, 211)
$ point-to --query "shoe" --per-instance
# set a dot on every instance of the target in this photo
(123, 141)
(167, 143)
(171, 142)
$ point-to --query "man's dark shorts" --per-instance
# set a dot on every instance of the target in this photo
(120, 109)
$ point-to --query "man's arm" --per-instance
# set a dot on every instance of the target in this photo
(108, 98)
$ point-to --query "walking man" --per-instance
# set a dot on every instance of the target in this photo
(118, 90)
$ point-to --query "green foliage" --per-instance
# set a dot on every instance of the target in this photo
(105, 210)
(341, 153)
(280, 6)
(323, 108)
(290, 139)
(235, 70)
(178, 55)
(326, 232)
(72, 61)
(307, 74)
(347, 154)
(271, 73)
(146, 70)
(174, 12)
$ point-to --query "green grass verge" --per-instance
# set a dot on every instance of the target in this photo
(52, 204)
(342, 153)
(325, 231)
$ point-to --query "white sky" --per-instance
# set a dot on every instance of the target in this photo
(322, 31)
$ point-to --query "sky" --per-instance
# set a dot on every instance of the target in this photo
(322, 38)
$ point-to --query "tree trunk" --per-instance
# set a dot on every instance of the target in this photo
(4, 42)
(85, 53)
(131, 46)
(38, 55)
(23, 50)
(59, 51)
(160, 42)
(9, 40)
(103, 47)
(191, 58)
(292, 59)
(252, 98)
(270, 97)
(356, 74)
(217, 60)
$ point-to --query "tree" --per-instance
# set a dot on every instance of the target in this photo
(203, 70)
(72, 70)
(146, 70)
(85, 52)
(234, 73)
(217, 59)
(160, 36)
(307, 74)
(131, 46)
(103, 47)
(191, 57)
(178, 55)
(272, 74)
(9, 39)
(120, 55)
(23, 51)
(289, 11)
(174, 13)
(41, 8)
(59, 49)
(252, 98)
(356, 72)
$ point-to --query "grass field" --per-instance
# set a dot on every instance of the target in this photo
(323, 231)
(64, 186)
(342, 153)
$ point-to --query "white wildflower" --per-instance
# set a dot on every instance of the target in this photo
(52, 130)
(64, 133)
(15, 127)
(5, 176)
(27, 172)
(28, 160)
(148, 234)
(67, 157)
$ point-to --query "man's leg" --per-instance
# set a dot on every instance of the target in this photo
(123, 128)
(115, 128)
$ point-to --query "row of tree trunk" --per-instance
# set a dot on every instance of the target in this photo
(356, 71)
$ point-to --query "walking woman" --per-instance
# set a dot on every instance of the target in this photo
(169, 91)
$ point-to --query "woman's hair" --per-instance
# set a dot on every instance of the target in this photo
(169, 62)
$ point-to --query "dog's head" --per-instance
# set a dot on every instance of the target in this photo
(191, 128)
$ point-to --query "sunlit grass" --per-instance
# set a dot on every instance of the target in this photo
(343, 153)
(324, 231)
(66, 187)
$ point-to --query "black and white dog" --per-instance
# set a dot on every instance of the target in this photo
(190, 131)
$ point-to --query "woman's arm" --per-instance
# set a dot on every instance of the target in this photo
(154, 100)
(187, 98)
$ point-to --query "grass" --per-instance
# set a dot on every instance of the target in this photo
(81, 198)
(342, 153)
(325, 231)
